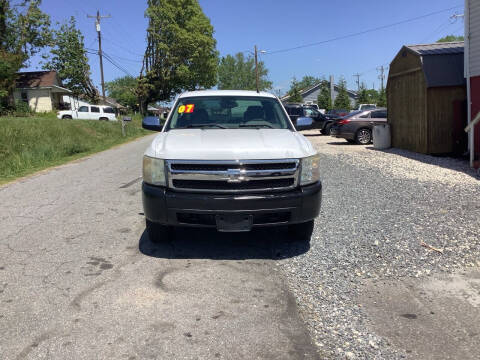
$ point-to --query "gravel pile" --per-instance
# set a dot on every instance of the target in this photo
(377, 209)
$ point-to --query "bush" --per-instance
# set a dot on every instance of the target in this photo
(22, 109)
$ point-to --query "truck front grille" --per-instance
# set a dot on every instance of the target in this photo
(233, 176)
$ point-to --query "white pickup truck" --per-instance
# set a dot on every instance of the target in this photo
(231, 160)
(89, 112)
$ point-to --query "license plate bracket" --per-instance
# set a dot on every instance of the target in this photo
(234, 222)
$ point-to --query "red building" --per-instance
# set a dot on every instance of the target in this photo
(472, 74)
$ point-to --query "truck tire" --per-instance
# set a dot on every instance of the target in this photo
(157, 233)
(301, 232)
(363, 136)
(103, 118)
(66, 117)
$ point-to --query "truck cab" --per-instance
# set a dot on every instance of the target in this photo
(230, 160)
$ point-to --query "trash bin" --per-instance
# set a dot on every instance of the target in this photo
(381, 136)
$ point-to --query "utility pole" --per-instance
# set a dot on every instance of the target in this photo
(256, 66)
(381, 76)
(332, 89)
(357, 75)
(98, 18)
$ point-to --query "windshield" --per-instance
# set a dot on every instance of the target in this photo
(228, 112)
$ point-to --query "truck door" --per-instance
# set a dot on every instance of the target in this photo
(82, 113)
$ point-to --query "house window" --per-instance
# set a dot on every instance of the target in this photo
(24, 96)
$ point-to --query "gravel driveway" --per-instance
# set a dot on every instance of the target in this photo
(368, 288)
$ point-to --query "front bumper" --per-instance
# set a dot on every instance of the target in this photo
(168, 207)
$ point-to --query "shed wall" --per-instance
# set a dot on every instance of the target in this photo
(406, 92)
(441, 117)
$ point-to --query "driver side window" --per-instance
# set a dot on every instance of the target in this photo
(83, 109)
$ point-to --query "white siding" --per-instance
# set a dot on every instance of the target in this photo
(474, 51)
(38, 99)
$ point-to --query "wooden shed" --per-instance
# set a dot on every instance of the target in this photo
(426, 94)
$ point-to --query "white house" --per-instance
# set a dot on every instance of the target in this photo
(472, 73)
(42, 90)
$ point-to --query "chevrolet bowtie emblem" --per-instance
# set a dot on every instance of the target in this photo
(235, 176)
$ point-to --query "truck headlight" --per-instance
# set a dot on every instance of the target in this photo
(154, 171)
(310, 170)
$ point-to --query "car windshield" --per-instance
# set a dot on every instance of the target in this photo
(228, 112)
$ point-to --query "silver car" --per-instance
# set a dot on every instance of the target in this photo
(357, 126)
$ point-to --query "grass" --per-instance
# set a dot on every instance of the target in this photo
(30, 144)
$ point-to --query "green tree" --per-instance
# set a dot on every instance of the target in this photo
(306, 82)
(238, 73)
(342, 101)
(69, 58)
(450, 38)
(382, 98)
(294, 93)
(366, 96)
(324, 99)
(24, 31)
(181, 51)
(124, 91)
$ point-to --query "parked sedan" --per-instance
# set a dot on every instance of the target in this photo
(357, 126)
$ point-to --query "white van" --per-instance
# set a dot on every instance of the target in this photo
(89, 112)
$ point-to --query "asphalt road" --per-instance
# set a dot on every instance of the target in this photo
(79, 278)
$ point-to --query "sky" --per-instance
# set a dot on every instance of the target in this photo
(275, 25)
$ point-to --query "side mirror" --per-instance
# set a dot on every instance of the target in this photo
(151, 123)
(304, 123)
(165, 115)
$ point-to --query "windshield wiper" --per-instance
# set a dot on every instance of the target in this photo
(203, 126)
(256, 125)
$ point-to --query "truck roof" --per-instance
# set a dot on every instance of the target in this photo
(226, 93)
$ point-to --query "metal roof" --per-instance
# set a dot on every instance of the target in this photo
(442, 63)
(455, 47)
(307, 91)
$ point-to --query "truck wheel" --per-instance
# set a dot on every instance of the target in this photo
(157, 233)
(66, 117)
(103, 118)
(363, 136)
(301, 232)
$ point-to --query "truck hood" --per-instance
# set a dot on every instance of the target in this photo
(230, 144)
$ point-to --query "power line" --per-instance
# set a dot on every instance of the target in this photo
(122, 47)
(117, 57)
(363, 32)
(114, 63)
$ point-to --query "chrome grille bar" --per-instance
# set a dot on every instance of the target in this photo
(274, 175)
